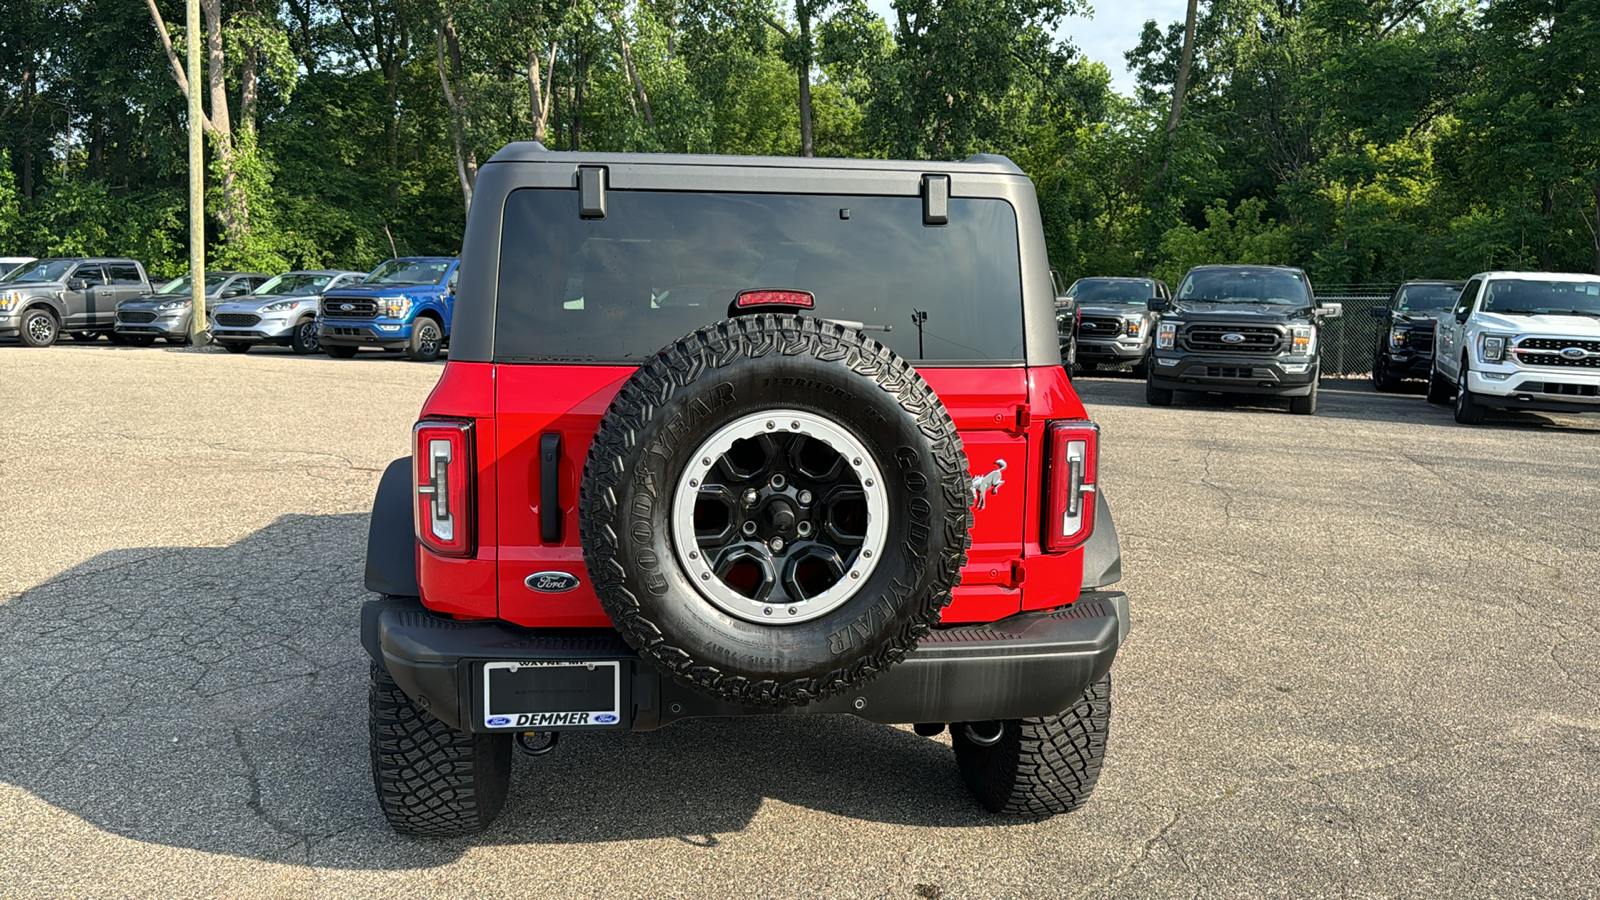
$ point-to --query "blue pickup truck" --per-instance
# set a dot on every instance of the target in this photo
(405, 304)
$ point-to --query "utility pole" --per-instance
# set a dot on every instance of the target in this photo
(197, 185)
(917, 318)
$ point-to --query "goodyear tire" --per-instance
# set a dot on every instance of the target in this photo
(430, 779)
(775, 509)
(1037, 767)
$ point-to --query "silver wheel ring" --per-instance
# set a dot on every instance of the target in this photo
(706, 456)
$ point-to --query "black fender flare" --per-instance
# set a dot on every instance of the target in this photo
(1102, 554)
(391, 541)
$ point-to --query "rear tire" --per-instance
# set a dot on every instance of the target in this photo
(1438, 389)
(1468, 410)
(340, 351)
(1037, 767)
(1157, 396)
(431, 779)
(234, 346)
(426, 340)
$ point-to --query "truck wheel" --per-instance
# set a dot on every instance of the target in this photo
(39, 327)
(1037, 767)
(1438, 389)
(425, 341)
(1304, 406)
(235, 346)
(775, 509)
(340, 351)
(432, 779)
(1141, 369)
(304, 340)
(1382, 381)
(1157, 396)
(1468, 410)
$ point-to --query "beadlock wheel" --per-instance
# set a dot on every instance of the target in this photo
(780, 517)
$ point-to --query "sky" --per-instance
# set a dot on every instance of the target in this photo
(1113, 31)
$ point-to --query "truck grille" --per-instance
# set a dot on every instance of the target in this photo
(1421, 339)
(135, 316)
(237, 320)
(1259, 340)
(1548, 352)
(1099, 327)
(334, 308)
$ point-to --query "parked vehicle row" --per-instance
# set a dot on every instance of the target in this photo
(1502, 340)
(405, 304)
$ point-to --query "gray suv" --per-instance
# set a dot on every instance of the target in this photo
(1115, 325)
(282, 312)
(166, 313)
(78, 295)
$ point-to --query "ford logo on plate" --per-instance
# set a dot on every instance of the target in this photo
(551, 582)
(1233, 338)
(1574, 352)
(347, 306)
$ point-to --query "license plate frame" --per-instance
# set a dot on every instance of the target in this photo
(552, 695)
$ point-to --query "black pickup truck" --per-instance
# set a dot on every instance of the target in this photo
(1405, 345)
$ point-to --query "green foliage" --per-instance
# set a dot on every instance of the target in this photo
(1364, 140)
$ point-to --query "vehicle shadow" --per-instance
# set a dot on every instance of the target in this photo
(1337, 398)
(214, 698)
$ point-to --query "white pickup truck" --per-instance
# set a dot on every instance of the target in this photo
(1520, 340)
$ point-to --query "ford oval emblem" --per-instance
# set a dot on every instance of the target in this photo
(1088, 326)
(1574, 352)
(1231, 338)
(347, 306)
(551, 582)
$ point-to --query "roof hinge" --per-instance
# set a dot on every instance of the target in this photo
(935, 199)
(592, 192)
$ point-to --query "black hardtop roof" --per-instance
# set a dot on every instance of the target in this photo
(532, 151)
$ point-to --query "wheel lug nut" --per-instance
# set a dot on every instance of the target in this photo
(778, 482)
(750, 497)
(805, 498)
(777, 545)
(804, 528)
(749, 528)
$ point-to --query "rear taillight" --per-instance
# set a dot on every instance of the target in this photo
(441, 473)
(1074, 449)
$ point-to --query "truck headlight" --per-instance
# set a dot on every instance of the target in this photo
(9, 299)
(395, 307)
(1303, 340)
(1493, 347)
(1398, 338)
(1167, 335)
(1134, 327)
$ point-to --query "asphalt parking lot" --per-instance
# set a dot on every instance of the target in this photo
(1364, 662)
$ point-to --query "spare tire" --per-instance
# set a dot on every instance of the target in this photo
(775, 509)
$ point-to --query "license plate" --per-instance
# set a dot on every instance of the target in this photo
(542, 696)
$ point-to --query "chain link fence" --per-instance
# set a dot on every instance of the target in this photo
(1348, 342)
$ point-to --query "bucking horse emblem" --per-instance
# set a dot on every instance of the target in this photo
(984, 485)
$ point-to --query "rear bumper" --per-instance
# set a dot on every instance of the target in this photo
(1032, 664)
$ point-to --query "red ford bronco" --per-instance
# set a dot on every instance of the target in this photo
(731, 436)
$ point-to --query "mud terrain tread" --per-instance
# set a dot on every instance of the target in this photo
(431, 779)
(1041, 766)
(717, 346)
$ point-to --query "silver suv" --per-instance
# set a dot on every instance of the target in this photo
(282, 312)
(166, 313)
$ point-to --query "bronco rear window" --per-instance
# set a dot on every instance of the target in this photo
(661, 264)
